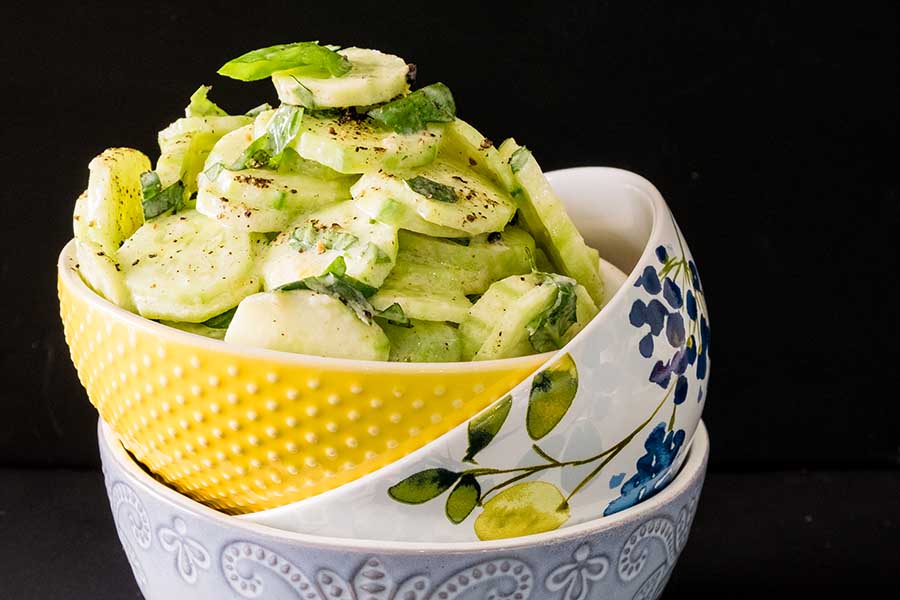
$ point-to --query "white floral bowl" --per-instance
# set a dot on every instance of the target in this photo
(604, 424)
(179, 548)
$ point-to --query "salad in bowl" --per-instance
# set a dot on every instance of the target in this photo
(359, 219)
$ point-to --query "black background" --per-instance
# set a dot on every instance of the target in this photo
(770, 129)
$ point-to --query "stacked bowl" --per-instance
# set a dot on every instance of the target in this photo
(236, 472)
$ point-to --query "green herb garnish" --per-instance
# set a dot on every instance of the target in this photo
(547, 329)
(335, 283)
(156, 199)
(201, 106)
(431, 104)
(308, 59)
(432, 189)
(519, 158)
(395, 315)
(221, 321)
(266, 150)
(256, 110)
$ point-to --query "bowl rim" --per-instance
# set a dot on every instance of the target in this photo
(694, 468)
(76, 285)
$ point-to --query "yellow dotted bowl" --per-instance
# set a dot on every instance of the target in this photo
(243, 429)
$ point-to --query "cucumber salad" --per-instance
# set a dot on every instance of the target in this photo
(359, 218)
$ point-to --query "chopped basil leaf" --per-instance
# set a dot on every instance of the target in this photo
(157, 200)
(334, 282)
(431, 104)
(432, 189)
(519, 158)
(266, 150)
(305, 58)
(395, 315)
(547, 329)
(256, 110)
(221, 321)
(201, 106)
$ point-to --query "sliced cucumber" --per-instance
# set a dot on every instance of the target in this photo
(542, 262)
(613, 279)
(585, 309)
(185, 267)
(197, 329)
(421, 302)
(374, 77)
(261, 199)
(312, 243)
(444, 265)
(112, 209)
(424, 341)
(478, 206)
(103, 273)
(465, 145)
(356, 144)
(497, 325)
(306, 322)
(185, 144)
(545, 217)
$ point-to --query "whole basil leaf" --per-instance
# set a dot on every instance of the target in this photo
(431, 104)
(423, 486)
(306, 58)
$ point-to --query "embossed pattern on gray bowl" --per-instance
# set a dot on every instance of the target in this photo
(179, 549)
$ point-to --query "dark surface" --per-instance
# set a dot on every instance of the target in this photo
(772, 133)
(756, 535)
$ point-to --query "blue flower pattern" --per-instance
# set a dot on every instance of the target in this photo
(680, 314)
(653, 468)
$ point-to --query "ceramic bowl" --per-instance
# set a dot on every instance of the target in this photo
(601, 426)
(245, 429)
(179, 548)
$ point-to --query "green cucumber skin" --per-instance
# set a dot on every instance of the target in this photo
(444, 265)
(545, 217)
(424, 341)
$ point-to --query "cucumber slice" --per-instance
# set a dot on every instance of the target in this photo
(546, 218)
(103, 274)
(497, 325)
(424, 341)
(465, 145)
(306, 322)
(197, 329)
(447, 266)
(185, 144)
(478, 206)
(374, 77)
(353, 144)
(542, 262)
(112, 209)
(613, 279)
(422, 303)
(184, 267)
(261, 199)
(369, 248)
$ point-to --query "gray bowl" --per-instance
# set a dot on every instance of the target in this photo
(179, 549)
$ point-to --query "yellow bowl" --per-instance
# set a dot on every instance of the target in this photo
(243, 429)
